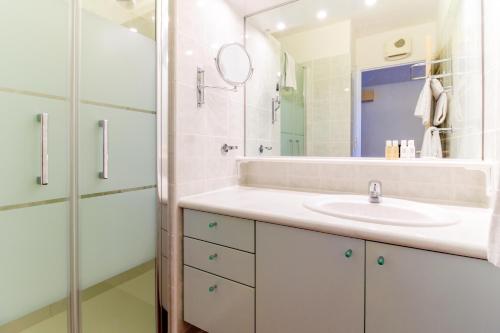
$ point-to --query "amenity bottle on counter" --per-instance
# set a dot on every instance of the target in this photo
(411, 149)
(395, 149)
(388, 150)
(403, 151)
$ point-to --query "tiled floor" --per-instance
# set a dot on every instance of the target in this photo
(126, 308)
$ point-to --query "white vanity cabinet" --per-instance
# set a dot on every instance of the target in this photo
(242, 276)
(219, 272)
(417, 291)
(308, 281)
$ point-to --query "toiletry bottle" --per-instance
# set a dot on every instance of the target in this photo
(411, 149)
(403, 151)
(388, 150)
(395, 149)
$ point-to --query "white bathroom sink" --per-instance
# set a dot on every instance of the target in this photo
(388, 211)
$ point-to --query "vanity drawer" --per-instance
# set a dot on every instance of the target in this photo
(217, 305)
(229, 263)
(224, 230)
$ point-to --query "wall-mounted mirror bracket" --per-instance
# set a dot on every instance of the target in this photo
(200, 87)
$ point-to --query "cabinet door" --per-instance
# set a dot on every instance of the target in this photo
(308, 281)
(415, 291)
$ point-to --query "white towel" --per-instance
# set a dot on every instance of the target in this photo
(437, 88)
(289, 74)
(441, 110)
(424, 104)
(431, 146)
(440, 95)
(494, 239)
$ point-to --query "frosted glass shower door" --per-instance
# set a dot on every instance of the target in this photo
(117, 166)
(34, 131)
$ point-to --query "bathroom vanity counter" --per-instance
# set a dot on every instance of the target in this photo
(467, 238)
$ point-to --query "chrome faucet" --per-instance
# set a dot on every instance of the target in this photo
(374, 191)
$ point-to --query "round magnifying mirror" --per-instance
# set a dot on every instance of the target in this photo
(234, 64)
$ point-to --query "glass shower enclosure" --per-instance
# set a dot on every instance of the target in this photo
(78, 184)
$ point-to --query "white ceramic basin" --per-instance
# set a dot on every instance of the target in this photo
(388, 211)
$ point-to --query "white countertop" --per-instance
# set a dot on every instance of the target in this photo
(467, 238)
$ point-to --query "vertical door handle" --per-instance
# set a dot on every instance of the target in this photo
(104, 174)
(290, 144)
(44, 172)
(298, 147)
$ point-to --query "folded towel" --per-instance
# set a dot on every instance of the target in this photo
(437, 88)
(424, 104)
(289, 74)
(442, 102)
(441, 110)
(431, 146)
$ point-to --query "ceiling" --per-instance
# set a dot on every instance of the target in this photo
(247, 7)
(385, 15)
(136, 14)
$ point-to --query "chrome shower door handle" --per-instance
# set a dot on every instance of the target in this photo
(44, 172)
(104, 174)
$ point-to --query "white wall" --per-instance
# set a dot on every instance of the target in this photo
(370, 49)
(319, 43)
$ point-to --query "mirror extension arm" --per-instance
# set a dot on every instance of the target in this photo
(200, 91)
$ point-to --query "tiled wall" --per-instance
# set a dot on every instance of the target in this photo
(328, 105)
(492, 79)
(452, 184)
(202, 27)
(460, 40)
(196, 134)
(265, 52)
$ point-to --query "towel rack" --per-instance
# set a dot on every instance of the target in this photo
(444, 129)
(448, 88)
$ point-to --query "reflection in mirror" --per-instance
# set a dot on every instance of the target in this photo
(340, 78)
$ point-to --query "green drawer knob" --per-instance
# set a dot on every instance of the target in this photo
(212, 288)
(213, 256)
(348, 253)
(212, 225)
(381, 261)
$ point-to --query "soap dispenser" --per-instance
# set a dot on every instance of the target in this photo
(388, 150)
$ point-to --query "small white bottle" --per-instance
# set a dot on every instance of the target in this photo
(411, 149)
(403, 151)
(388, 150)
(395, 149)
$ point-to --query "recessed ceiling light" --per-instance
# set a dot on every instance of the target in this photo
(370, 2)
(133, 29)
(280, 26)
(321, 15)
(189, 52)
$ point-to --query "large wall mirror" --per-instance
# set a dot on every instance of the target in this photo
(339, 78)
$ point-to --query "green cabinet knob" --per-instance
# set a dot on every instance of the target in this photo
(213, 256)
(212, 225)
(212, 288)
(381, 261)
(348, 253)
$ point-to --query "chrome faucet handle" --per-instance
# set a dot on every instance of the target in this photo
(375, 191)
(226, 148)
(262, 147)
